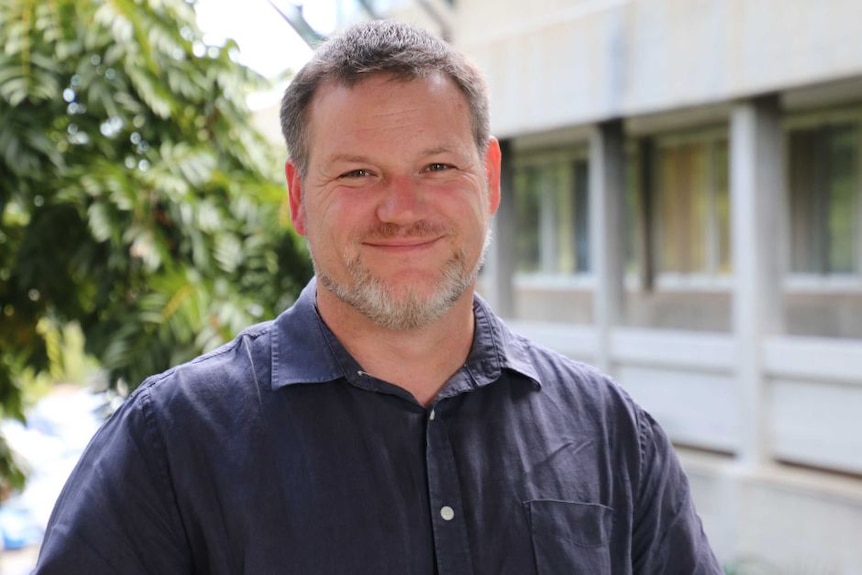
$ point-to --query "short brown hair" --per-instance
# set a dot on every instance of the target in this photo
(380, 46)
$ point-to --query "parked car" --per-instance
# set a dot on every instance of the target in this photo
(19, 526)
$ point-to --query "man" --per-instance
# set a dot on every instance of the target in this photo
(387, 423)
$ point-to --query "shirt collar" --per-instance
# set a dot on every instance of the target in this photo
(495, 349)
(304, 350)
(300, 351)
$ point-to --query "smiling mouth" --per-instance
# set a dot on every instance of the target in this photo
(402, 243)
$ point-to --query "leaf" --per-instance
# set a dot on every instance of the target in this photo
(228, 252)
(101, 225)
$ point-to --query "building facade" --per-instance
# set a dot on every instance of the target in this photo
(683, 208)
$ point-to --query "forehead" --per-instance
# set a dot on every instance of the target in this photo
(426, 107)
(383, 89)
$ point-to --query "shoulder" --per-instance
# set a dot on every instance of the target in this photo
(232, 360)
(577, 391)
(565, 378)
(215, 380)
(582, 397)
(592, 402)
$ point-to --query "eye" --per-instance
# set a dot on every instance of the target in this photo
(439, 167)
(360, 173)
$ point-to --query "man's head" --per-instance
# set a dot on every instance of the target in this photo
(393, 177)
(378, 47)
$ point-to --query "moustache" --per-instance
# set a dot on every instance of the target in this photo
(418, 229)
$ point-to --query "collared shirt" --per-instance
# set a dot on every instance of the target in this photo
(278, 454)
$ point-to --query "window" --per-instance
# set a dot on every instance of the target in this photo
(825, 213)
(552, 215)
(636, 213)
(691, 223)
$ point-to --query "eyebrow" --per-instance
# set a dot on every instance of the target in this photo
(437, 150)
(356, 158)
(348, 158)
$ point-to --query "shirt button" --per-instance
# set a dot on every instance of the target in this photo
(447, 513)
(432, 415)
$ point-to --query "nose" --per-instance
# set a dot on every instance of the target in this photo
(401, 201)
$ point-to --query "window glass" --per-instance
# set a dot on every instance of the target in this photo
(721, 214)
(691, 227)
(635, 211)
(842, 194)
(527, 214)
(582, 217)
(552, 215)
(824, 199)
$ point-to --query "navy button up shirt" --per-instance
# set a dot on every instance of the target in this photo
(277, 454)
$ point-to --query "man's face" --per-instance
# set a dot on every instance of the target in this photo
(397, 200)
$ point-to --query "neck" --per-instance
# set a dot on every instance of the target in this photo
(418, 360)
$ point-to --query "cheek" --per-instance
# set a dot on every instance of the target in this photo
(333, 234)
(480, 219)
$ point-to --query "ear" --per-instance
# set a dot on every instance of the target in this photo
(294, 193)
(493, 161)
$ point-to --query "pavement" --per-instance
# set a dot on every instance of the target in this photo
(18, 561)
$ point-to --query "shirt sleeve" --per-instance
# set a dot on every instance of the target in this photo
(667, 536)
(117, 512)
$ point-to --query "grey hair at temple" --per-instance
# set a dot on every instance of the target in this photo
(399, 50)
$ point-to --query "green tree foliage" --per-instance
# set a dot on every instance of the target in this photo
(136, 198)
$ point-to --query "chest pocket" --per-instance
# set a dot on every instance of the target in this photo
(570, 538)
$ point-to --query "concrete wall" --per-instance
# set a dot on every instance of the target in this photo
(836, 315)
(553, 62)
(775, 520)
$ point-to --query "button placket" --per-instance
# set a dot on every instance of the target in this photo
(447, 518)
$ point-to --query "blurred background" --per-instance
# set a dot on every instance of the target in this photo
(682, 207)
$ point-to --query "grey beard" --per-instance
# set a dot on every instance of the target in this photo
(375, 300)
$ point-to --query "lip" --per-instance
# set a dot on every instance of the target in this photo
(403, 244)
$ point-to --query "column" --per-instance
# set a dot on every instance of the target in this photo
(756, 182)
(607, 233)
